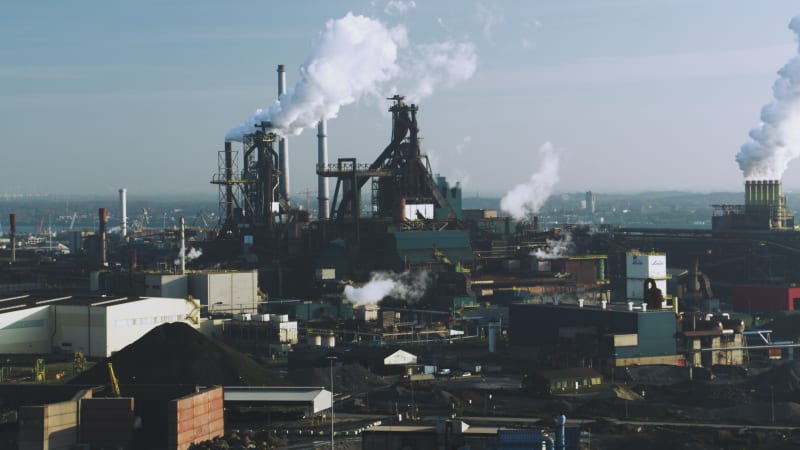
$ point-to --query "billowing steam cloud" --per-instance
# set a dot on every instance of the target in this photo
(427, 66)
(406, 286)
(358, 56)
(525, 199)
(556, 248)
(191, 255)
(776, 141)
(399, 7)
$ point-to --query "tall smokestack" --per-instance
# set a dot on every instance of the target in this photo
(228, 184)
(283, 143)
(123, 206)
(759, 193)
(748, 193)
(767, 188)
(322, 162)
(183, 246)
(776, 193)
(103, 221)
(12, 218)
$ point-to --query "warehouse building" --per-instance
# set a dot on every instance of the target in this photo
(95, 325)
(224, 291)
(601, 336)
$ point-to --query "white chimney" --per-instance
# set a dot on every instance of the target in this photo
(123, 206)
(183, 247)
(283, 143)
(322, 163)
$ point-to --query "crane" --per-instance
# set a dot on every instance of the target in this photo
(114, 381)
(72, 222)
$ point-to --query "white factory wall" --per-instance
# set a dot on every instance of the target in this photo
(229, 288)
(646, 265)
(288, 332)
(97, 331)
(128, 322)
(640, 267)
(174, 286)
(26, 330)
(80, 328)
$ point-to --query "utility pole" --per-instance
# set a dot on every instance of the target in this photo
(772, 402)
(331, 359)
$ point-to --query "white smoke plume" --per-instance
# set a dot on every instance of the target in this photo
(191, 255)
(776, 140)
(489, 17)
(526, 198)
(428, 66)
(556, 248)
(355, 57)
(406, 286)
(399, 7)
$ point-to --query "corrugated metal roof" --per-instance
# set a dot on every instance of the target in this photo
(272, 394)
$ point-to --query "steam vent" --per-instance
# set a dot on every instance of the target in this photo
(764, 209)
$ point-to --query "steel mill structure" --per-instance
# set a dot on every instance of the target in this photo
(764, 209)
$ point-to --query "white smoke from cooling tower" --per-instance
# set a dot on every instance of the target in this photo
(527, 198)
(354, 57)
(406, 286)
(776, 140)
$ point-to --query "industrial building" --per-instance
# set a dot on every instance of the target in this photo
(309, 401)
(219, 290)
(756, 299)
(641, 267)
(273, 333)
(710, 340)
(764, 209)
(596, 335)
(564, 381)
(69, 417)
(95, 325)
(456, 434)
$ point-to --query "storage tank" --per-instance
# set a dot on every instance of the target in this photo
(318, 341)
(493, 329)
(330, 341)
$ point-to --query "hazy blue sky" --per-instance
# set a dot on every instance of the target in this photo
(634, 95)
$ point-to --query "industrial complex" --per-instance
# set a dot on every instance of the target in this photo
(418, 305)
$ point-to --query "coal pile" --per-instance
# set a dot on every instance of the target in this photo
(785, 327)
(782, 380)
(350, 378)
(177, 354)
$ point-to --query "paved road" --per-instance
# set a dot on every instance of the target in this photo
(736, 426)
